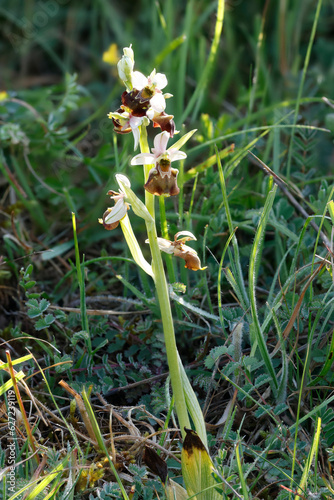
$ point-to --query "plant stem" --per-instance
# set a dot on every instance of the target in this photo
(164, 302)
(164, 232)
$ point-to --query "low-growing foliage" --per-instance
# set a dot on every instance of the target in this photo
(254, 329)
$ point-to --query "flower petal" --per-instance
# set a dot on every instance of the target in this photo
(139, 81)
(143, 159)
(187, 235)
(136, 137)
(160, 143)
(119, 116)
(150, 113)
(165, 245)
(160, 80)
(135, 121)
(175, 155)
(158, 102)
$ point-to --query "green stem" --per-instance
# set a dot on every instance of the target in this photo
(164, 303)
(164, 233)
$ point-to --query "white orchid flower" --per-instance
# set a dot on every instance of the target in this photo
(159, 152)
(152, 85)
(156, 81)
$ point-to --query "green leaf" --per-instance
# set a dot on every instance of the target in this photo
(197, 468)
(261, 380)
(134, 247)
(44, 322)
(29, 284)
(280, 408)
(178, 144)
(262, 410)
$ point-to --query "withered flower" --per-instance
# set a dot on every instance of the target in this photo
(112, 216)
(179, 249)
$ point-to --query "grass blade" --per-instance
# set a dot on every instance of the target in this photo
(315, 445)
(256, 253)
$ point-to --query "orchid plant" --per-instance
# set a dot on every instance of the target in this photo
(142, 103)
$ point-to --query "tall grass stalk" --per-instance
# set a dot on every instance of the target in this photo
(81, 281)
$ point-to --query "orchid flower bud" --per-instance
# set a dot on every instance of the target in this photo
(125, 67)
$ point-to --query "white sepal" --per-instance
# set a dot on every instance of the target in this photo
(158, 103)
(164, 245)
(139, 81)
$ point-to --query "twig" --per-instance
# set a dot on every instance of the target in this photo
(100, 312)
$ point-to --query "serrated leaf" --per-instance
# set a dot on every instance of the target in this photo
(32, 303)
(43, 305)
(44, 322)
(261, 411)
(82, 335)
(34, 312)
(60, 315)
(216, 353)
(280, 408)
(231, 367)
(251, 363)
(247, 388)
(262, 379)
(65, 360)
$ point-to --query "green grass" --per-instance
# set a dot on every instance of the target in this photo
(254, 330)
